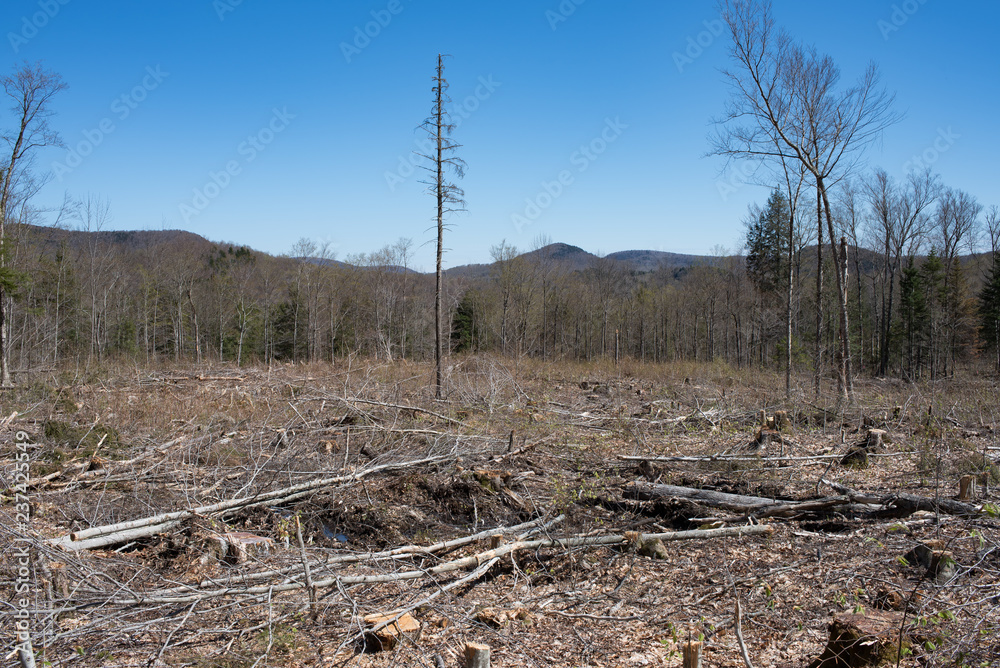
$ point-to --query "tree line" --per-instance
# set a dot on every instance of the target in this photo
(843, 267)
(150, 297)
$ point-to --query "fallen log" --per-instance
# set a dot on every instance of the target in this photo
(904, 503)
(645, 491)
(911, 503)
(752, 506)
(402, 407)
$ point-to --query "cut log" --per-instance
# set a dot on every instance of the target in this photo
(483, 560)
(876, 438)
(645, 491)
(906, 504)
(385, 636)
(857, 641)
(921, 554)
(237, 546)
(910, 503)
(477, 655)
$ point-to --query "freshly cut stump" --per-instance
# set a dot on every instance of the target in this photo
(386, 637)
(692, 654)
(858, 641)
(477, 655)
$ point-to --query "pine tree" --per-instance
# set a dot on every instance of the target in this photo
(767, 244)
(989, 311)
(913, 316)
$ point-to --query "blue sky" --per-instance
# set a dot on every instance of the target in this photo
(260, 122)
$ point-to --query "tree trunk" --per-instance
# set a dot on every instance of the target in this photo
(844, 384)
(788, 307)
(438, 343)
(818, 353)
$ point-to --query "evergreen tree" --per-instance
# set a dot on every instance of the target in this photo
(989, 311)
(767, 244)
(913, 316)
(932, 288)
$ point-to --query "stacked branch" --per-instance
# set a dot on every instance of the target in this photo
(123, 532)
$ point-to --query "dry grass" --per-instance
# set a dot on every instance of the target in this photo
(186, 436)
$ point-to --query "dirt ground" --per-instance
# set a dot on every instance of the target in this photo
(551, 448)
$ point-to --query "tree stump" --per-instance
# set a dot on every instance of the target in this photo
(477, 655)
(857, 641)
(692, 654)
(967, 488)
(856, 458)
(942, 567)
(921, 554)
(654, 549)
(387, 636)
(781, 421)
(875, 439)
(763, 438)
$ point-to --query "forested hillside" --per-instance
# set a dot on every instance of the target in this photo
(153, 295)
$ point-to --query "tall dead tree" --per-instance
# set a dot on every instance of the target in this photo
(443, 160)
(29, 91)
(785, 104)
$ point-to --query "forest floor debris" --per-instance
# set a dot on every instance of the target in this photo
(221, 517)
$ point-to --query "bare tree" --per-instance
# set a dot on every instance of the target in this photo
(793, 181)
(505, 275)
(29, 90)
(898, 221)
(992, 223)
(93, 213)
(439, 128)
(957, 223)
(785, 104)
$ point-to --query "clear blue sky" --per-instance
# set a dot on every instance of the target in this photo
(200, 78)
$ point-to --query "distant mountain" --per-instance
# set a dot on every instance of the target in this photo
(649, 260)
(572, 258)
(127, 239)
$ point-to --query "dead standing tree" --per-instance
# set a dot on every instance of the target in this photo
(439, 127)
(29, 90)
(785, 105)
